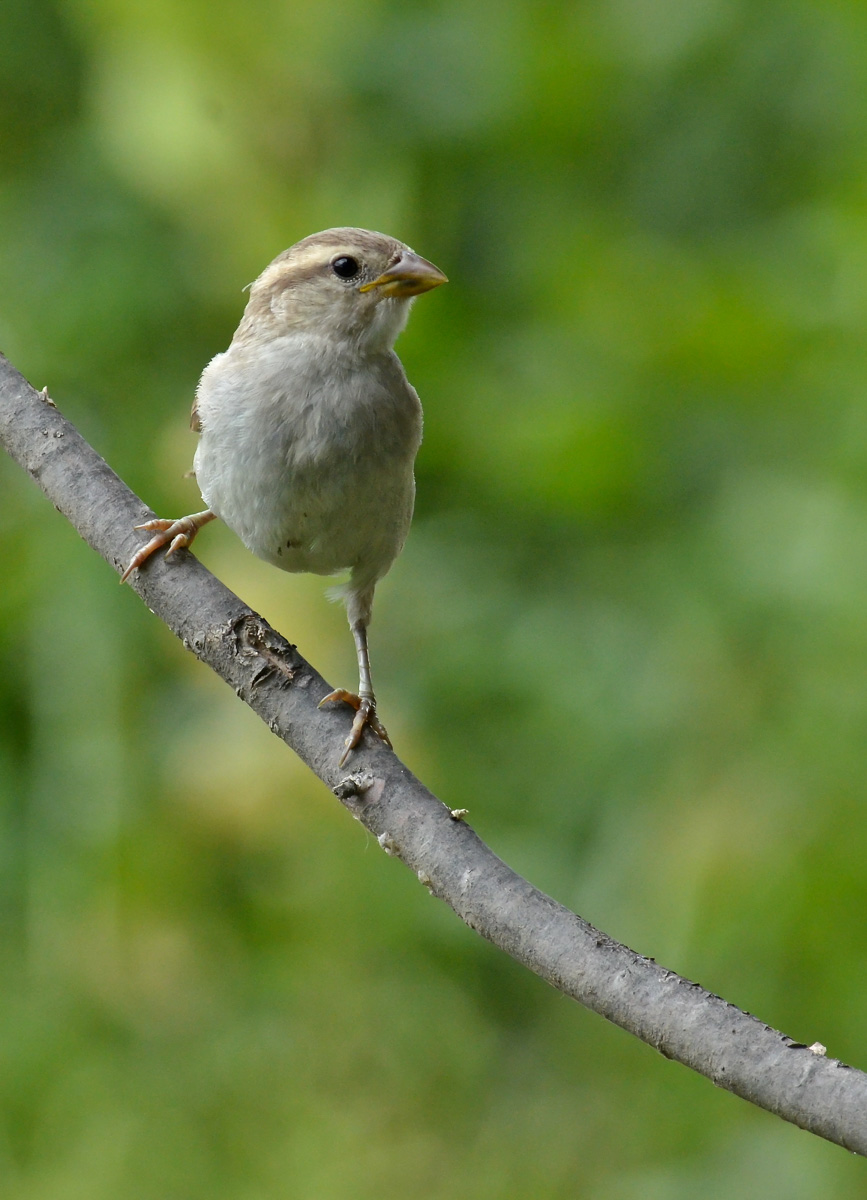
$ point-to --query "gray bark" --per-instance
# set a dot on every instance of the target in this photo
(677, 1017)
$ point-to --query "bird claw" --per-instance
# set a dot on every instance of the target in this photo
(365, 715)
(179, 534)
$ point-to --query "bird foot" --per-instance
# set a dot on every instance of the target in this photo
(179, 534)
(365, 714)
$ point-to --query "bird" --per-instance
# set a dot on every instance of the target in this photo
(309, 428)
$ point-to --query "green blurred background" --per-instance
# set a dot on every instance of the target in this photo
(628, 632)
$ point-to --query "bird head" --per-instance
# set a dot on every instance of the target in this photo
(350, 285)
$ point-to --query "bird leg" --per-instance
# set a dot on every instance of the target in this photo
(365, 702)
(178, 533)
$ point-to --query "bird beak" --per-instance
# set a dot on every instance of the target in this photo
(409, 276)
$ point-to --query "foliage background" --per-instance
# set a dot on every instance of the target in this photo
(629, 631)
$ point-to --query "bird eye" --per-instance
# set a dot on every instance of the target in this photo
(345, 267)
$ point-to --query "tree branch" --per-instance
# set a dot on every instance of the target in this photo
(678, 1018)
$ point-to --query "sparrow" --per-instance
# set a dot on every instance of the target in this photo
(308, 427)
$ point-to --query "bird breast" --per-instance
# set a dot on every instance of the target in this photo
(307, 453)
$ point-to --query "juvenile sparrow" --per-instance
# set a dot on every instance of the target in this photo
(309, 427)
